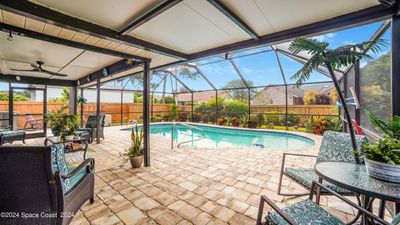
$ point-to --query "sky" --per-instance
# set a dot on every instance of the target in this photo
(263, 69)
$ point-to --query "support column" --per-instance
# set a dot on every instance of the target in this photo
(249, 102)
(81, 108)
(72, 100)
(122, 101)
(146, 101)
(216, 107)
(191, 119)
(395, 65)
(98, 112)
(357, 113)
(45, 110)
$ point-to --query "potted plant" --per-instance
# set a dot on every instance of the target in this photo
(71, 123)
(55, 119)
(382, 158)
(135, 152)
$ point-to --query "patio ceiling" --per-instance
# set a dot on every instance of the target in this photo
(167, 32)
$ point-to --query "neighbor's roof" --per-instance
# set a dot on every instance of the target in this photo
(180, 31)
(198, 96)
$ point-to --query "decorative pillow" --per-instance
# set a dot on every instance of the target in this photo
(58, 162)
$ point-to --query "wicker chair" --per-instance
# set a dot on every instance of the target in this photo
(36, 182)
(335, 147)
(307, 212)
(91, 127)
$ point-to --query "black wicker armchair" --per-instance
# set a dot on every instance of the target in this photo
(34, 189)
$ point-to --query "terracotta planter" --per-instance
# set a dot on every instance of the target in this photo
(383, 171)
(136, 162)
(69, 137)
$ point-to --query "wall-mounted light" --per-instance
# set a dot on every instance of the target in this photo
(79, 82)
(18, 78)
(88, 78)
(10, 36)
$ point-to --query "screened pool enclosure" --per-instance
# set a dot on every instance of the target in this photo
(252, 88)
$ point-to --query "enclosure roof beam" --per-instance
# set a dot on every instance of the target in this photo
(176, 78)
(149, 15)
(280, 67)
(130, 78)
(364, 16)
(65, 42)
(110, 70)
(165, 76)
(239, 73)
(203, 76)
(38, 12)
(234, 18)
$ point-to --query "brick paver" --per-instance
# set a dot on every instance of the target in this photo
(186, 186)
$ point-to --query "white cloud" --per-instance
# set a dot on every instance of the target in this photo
(324, 37)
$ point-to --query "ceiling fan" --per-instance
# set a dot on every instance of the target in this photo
(38, 68)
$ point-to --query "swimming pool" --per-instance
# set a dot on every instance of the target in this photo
(216, 137)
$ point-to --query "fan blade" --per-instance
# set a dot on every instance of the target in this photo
(33, 70)
(37, 68)
(54, 73)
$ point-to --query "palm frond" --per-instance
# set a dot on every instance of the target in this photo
(311, 46)
(305, 72)
(382, 125)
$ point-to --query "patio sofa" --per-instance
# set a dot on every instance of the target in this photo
(90, 128)
(37, 183)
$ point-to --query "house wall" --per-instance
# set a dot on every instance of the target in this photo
(272, 96)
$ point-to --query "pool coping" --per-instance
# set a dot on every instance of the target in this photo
(313, 137)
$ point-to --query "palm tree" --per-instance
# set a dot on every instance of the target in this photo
(322, 55)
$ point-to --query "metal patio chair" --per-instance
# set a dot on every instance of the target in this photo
(335, 147)
(308, 212)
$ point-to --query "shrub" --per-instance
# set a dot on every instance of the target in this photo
(197, 117)
(271, 119)
(234, 121)
(320, 124)
(173, 111)
(260, 119)
(183, 116)
(251, 124)
(236, 109)
(310, 97)
(222, 120)
(166, 118)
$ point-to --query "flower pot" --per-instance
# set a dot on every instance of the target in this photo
(137, 161)
(383, 171)
(69, 137)
(55, 131)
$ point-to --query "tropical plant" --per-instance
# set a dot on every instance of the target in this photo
(63, 122)
(173, 111)
(310, 97)
(320, 124)
(233, 121)
(322, 55)
(136, 148)
(385, 150)
(237, 90)
(260, 119)
(390, 127)
(222, 120)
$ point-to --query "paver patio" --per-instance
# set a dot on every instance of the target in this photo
(186, 185)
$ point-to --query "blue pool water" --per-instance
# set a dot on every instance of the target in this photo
(225, 137)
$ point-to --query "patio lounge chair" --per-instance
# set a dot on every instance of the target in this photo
(91, 127)
(307, 212)
(36, 180)
(32, 122)
(335, 147)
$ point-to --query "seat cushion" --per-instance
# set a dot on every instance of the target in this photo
(305, 212)
(306, 176)
(12, 133)
(396, 220)
(70, 183)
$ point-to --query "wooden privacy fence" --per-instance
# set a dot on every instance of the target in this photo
(297, 109)
(134, 111)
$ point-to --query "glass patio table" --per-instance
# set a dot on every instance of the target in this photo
(354, 177)
(58, 140)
